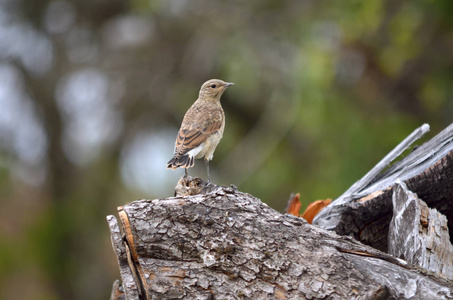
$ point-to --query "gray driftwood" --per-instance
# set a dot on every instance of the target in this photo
(225, 244)
(419, 234)
(365, 211)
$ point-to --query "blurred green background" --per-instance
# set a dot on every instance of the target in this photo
(92, 94)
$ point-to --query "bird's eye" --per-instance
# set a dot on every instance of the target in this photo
(213, 86)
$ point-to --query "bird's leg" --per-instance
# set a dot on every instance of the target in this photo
(207, 169)
(185, 172)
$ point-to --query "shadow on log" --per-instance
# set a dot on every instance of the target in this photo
(214, 242)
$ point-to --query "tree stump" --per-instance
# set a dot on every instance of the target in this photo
(215, 242)
(226, 244)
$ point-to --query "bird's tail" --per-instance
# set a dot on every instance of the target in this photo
(184, 161)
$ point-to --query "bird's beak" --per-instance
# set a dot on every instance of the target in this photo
(228, 84)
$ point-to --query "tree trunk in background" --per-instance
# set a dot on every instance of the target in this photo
(213, 242)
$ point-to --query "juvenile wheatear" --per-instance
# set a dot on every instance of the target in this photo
(202, 127)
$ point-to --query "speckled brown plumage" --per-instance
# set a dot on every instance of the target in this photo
(202, 127)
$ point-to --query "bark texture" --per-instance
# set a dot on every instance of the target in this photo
(419, 234)
(367, 219)
(365, 211)
(127, 268)
(213, 242)
(226, 244)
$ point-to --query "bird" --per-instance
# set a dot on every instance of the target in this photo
(201, 128)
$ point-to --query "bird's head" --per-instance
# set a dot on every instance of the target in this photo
(212, 89)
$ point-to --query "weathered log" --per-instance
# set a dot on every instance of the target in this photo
(211, 242)
(419, 234)
(226, 244)
(365, 211)
(127, 268)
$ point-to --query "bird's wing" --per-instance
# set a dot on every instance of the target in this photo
(196, 127)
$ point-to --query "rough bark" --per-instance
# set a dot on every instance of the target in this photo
(367, 219)
(365, 211)
(226, 244)
(211, 242)
(117, 291)
(419, 234)
(127, 268)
